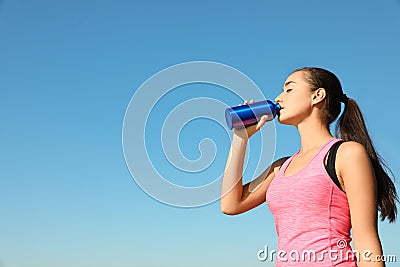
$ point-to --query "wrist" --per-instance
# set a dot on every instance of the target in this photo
(245, 132)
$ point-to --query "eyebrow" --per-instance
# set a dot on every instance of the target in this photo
(287, 83)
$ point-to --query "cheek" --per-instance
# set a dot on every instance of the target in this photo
(301, 101)
(303, 107)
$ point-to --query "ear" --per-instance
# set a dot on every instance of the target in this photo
(318, 95)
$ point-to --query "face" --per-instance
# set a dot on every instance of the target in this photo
(295, 99)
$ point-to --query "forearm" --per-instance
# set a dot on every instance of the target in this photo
(369, 251)
(232, 187)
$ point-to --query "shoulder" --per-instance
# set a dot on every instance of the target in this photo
(277, 164)
(350, 150)
(352, 160)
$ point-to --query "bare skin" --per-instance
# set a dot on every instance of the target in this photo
(301, 108)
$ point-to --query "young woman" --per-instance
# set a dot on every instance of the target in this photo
(328, 187)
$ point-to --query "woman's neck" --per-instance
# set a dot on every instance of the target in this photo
(313, 134)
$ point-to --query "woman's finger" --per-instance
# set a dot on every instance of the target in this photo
(261, 122)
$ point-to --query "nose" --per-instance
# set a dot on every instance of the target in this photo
(278, 99)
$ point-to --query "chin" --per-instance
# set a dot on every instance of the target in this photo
(283, 120)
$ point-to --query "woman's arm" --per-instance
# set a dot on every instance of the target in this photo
(355, 169)
(236, 198)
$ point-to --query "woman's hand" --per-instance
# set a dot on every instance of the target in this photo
(247, 132)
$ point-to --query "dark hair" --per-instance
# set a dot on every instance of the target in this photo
(351, 127)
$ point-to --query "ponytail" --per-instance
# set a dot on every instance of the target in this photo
(351, 127)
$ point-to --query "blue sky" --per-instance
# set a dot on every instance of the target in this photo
(68, 72)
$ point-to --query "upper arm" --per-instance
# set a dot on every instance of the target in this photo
(356, 171)
(253, 193)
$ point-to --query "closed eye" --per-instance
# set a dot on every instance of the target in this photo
(288, 90)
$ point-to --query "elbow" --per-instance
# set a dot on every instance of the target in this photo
(228, 210)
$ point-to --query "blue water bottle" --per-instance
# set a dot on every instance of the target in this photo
(245, 115)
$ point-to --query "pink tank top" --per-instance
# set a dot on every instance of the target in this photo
(312, 216)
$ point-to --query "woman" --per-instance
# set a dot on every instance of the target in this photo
(328, 187)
